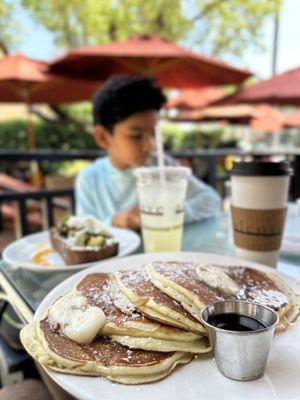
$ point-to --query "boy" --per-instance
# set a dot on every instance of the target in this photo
(125, 113)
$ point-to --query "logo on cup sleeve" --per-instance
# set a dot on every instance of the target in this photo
(258, 230)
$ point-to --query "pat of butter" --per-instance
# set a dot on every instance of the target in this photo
(77, 320)
(214, 277)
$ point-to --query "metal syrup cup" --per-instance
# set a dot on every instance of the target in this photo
(241, 355)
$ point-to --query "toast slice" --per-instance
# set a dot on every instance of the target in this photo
(81, 240)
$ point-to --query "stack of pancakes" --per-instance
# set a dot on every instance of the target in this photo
(152, 318)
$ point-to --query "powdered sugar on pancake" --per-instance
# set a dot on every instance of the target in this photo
(140, 283)
(216, 278)
(95, 288)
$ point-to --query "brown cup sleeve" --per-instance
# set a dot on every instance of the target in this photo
(258, 230)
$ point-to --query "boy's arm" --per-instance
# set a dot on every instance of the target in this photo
(202, 201)
(85, 205)
(128, 218)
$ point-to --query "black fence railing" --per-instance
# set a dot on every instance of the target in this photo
(49, 199)
(11, 155)
(212, 156)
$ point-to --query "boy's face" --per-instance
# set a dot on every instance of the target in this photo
(132, 140)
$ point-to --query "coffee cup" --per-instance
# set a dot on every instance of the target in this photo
(258, 209)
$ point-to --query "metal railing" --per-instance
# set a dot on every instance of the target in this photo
(12, 155)
(49, 200)
(211, 155)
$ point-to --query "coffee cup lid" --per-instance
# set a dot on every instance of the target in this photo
(261, 168)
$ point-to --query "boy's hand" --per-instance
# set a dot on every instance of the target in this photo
(128, 218)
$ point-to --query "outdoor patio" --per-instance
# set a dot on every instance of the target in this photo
(149, 187)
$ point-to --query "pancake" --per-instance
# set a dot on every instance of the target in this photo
(196, 286)
(152, 302)
(179, 280)
(132, 328)
(103, 357)
(198, 346)
(267, 289)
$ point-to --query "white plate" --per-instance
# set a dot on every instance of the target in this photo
(20, 252)
(200, 379)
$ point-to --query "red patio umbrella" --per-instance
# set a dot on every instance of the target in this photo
(190, 99)
(259, 117)
(283, 89)
(25, 80)
(267, 119)
(28, 81)
(172, 65)
(293, 120)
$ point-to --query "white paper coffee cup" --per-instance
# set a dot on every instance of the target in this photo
(258, 207)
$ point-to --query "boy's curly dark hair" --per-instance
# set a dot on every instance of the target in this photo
(122, 96)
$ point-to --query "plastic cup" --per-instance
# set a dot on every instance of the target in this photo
(258, 209)
(162, 192)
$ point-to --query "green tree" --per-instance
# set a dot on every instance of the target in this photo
(229, 26)
(7, 35)
(216, 26)
(77, 22)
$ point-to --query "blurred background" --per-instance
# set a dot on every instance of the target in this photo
(231, 73)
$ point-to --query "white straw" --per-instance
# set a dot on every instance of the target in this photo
(159, 147)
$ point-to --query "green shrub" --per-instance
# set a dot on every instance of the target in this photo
(196, 137)
(14, 135)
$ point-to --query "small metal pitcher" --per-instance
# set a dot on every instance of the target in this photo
(241, 355)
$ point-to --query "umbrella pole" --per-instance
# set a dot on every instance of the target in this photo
(36, 178)
(30, 131)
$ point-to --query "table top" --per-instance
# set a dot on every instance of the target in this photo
(213, 235)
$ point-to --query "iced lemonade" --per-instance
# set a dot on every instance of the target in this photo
(162, 220)
(161, 200)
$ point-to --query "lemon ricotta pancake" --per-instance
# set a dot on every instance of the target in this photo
(134, 329)
(267, 289)
(180, 281)
(102, 357)
(153, 302)
(195, 286)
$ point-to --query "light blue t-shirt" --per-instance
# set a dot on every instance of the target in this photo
(103, 190)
